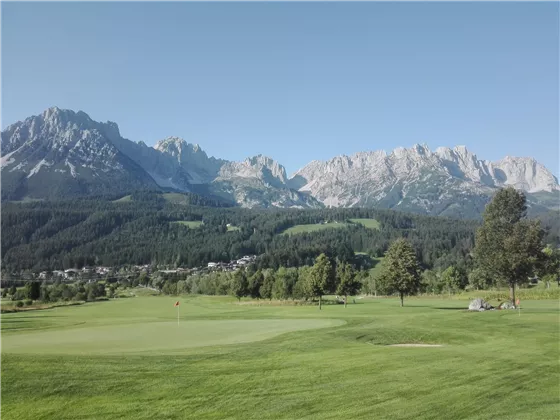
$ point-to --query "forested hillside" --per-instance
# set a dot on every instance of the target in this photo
(142, 229)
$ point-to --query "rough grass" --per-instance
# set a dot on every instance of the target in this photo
(312, 228)
(192, 224)
(534, 293)
(492, 364)
(367, 223)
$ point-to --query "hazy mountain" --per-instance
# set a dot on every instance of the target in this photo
(445, 182)
(63, 153)
(259, 181)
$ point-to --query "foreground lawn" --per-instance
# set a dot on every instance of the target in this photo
(128, 359)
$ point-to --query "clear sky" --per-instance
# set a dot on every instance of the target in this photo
(294, 81)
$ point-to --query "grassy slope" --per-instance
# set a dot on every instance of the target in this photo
(191, 224)
(494, 364)
(368, 223)
(123, 199)
(176, 198)
(312, 228)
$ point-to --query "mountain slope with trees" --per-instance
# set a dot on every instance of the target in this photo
(49, 235)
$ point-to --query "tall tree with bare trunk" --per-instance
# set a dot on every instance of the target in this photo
(508, 247)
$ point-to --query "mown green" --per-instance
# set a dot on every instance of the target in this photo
(492, 364)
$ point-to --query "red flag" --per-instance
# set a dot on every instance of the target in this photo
(176, 303)
(516, 302)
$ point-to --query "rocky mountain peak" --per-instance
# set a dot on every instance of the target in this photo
(177, 146)
(524, 173)
(259, 167)
(80, 155)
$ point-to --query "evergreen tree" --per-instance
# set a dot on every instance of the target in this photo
(238, 286)
(33, 290)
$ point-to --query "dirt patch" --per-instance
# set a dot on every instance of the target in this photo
(415, 345)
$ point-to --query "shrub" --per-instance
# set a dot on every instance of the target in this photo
(28, 302)
(80, 297)
(528, 294)
(19, 304)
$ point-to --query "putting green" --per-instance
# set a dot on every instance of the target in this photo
(164, 337)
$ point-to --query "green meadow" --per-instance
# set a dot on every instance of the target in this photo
(124, 199)
(192, 224)
(313, 227)
(367, 223)
(128, 358)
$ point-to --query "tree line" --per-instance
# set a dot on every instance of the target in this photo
(509, 248)
(75, 233)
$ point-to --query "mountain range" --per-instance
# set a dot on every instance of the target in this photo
(62, 153)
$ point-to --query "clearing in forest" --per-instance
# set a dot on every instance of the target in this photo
(367, 223)
(313, 227)
(192, 224)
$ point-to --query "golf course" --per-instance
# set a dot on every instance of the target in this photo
(133, 358)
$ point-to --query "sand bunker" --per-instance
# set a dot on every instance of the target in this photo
(415, 345)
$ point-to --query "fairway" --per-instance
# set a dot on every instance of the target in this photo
(128, 358)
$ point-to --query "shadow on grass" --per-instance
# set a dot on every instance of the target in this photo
(453, 309)
(13, 317)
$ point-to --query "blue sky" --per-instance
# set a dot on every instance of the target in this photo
(294, 81)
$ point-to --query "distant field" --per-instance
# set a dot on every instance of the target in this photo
(233, 229)
(176, 198)
(368, 223)
(312, 228)
(123, 199)
(129, 359)
(191, 224)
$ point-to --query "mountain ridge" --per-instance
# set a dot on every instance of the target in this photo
(76, 155)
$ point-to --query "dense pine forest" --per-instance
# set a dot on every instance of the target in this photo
(146, 228)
